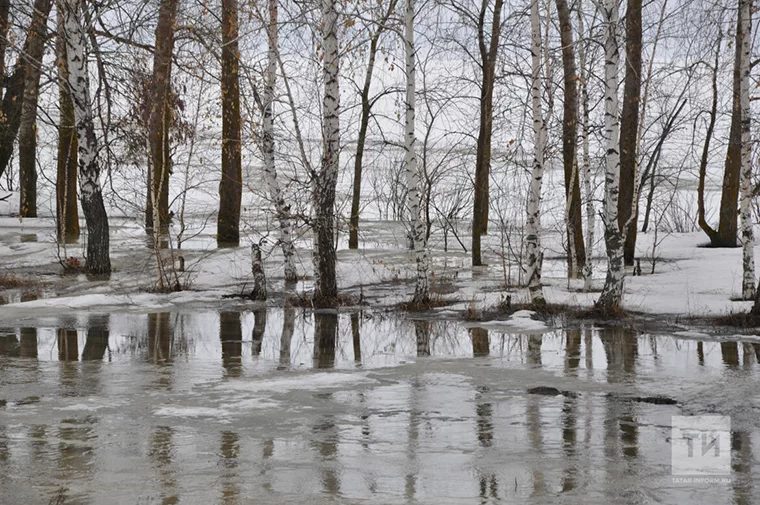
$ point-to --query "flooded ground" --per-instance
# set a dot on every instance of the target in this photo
(285, 406)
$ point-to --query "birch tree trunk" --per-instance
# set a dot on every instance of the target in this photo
(488, 54)
(421, 290)
(574, 220)
(627, 211)
(588, 272)
(268, 147)
(748, 237)
(67, 212)
(612, 293)
(533, 222)
(98, 258)
(231, 183)
(157, 207)
(27, 134)
(325, 182)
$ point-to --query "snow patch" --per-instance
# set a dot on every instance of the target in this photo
(306, 381)
(520, 322)
(691, 334)
(193, 412)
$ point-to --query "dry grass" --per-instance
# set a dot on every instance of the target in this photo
(12, 281)
(743, 320)
(308, 302)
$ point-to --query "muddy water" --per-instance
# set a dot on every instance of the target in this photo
(290, 407)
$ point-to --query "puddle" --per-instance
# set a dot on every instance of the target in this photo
(292, 407)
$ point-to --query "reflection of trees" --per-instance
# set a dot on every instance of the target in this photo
(325, 337)
(356, 338)
(28, 344)
(569, 414)
(480, 343)
(533, 416)
(9, 345)
(75, 454)
(487, 482)
(96, 344)
(741, 465)
(326, 444)
(161, 455)
(288, 324)
(422, 332)
(230, 451)
(259, 327)
(159, 337)
(534, 350)
(68, 346)
(730, 353)
(700, 353)
(621, 350)
(231, 335)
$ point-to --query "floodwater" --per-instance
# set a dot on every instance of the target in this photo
(285, 406)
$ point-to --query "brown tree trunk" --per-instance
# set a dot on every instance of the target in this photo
(629, 127)
(67, 212)
(727, 226)
(353, 229)
(14, 97)
(569, 142)
(5, 9)
(483, 154)
(160, 118)
(27, 136)
(711, 233)
(231, 185)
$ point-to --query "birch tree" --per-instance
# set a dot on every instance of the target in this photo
(231, 183)
(98, 257)
(67, 212)
(326, 180)
(612, 293)
(748, 238)
(533, 221)
(421, 290)
(588, 272)
(268, 145)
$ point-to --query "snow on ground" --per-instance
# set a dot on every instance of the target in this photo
(688, 279)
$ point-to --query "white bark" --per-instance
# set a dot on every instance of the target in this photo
(98, 258)
(421, 290)
(268, 147)
(324, 183)
(259, 291)
(588, 270)
(745, 201)
(533, 222)
(612, 293)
